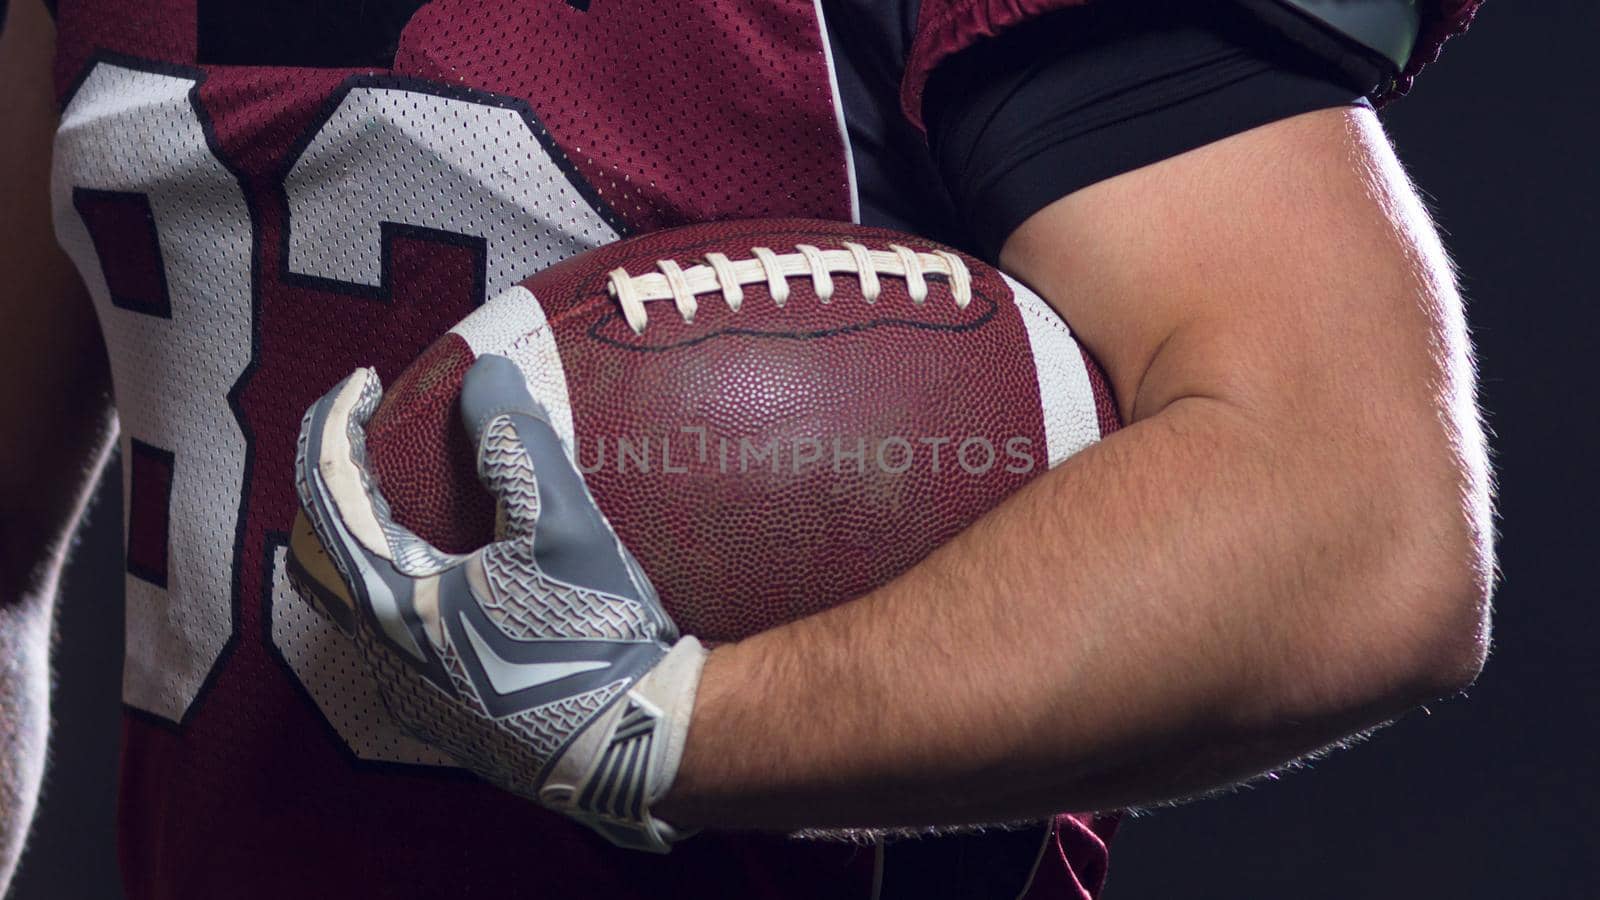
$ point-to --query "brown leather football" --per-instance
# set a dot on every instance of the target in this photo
(777, 416)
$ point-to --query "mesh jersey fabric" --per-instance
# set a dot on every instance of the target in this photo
(303, 219)
(256, 214)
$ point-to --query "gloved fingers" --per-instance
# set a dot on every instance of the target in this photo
(316, 577)
(544, 500)
(494, 392)
(378, 558)
(332, 484)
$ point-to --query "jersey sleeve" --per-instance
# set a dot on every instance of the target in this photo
(1085, 95)
(944, 28)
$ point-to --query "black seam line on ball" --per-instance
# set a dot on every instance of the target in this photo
(595, 335)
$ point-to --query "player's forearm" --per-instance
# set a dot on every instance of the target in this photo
(1187, 603)
(35, 533)
(24, 718)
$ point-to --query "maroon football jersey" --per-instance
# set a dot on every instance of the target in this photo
(261, 197)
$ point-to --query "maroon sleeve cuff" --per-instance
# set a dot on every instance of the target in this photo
(1441, 21)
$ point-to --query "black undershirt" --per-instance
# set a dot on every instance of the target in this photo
(1081, 96)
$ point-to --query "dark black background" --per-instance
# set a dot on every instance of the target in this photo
(1492, 795)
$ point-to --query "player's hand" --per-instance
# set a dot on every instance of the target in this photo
(544, 661)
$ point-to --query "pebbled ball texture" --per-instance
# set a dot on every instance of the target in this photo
(766, 463)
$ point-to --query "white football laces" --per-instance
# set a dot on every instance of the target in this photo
(720, 274)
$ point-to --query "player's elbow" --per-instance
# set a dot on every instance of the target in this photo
(1398, 555)
(1417, 624)
(1461, 630)
(1447, 564)
(1414, 631)
(1440, 635)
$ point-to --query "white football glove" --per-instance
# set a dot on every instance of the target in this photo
(542, 662)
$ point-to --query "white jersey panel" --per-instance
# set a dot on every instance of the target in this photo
(138, 132)
(429, 161)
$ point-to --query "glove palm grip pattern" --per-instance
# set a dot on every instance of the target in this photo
(511, 665)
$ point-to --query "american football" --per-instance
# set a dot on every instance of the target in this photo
(776, 416)
(781, 449)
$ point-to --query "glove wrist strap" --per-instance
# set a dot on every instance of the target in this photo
(638, 760)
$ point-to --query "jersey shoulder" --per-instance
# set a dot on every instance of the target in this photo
(944, 28)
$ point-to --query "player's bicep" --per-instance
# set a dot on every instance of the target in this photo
(54, 405)
(1283, 294)
(1286, 270)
